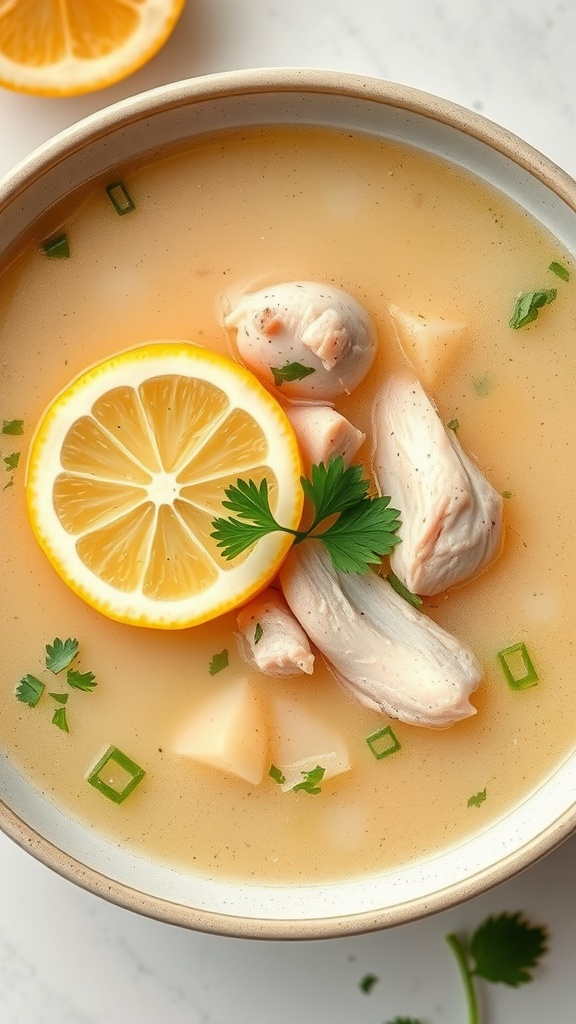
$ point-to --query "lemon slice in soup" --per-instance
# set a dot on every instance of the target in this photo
(128, 469)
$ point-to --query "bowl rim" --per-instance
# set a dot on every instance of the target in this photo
(222, 86)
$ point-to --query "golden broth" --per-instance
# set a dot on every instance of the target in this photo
(389, 224)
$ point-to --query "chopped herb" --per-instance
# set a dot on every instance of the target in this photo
(29, 690)
(60, 653)
(560, 270)
(403, 591)
(104, 776)
(527, 306)
(290, 372)
(80, 680)
(57, 248)
(383, 743)
(518, 667)
(219, 662)
(366, 984)
(453, 425)
(364, 531)
(9, 484)
(277, 775)
(258, 633)
(61, 698)
(482, 385)
(59, 719)
(120, 198)
(477, 799)
(311, 780)
(13, 427)
(502, 949)
(11, 462)
(506, 494)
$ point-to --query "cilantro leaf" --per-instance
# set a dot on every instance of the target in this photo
(477, 799)
(277, 775)
(29, 690)
(80, 680)
(59, 719)
(527, 306)
(311, 780)
(219, 661)
(13, 427)
(60, 653)
(11, 462)
(332, 488)
(366, 984)
(362, 535)
(290, 372)
(506, 948)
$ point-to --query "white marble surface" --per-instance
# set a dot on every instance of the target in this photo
(67, 957)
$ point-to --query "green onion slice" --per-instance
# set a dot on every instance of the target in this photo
(120, 198)
(518, 667)
(115, 775)
(57, 248)
(383, 743)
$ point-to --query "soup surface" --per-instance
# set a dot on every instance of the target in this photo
(390, 225)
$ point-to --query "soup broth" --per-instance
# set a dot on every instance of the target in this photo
(389, 224)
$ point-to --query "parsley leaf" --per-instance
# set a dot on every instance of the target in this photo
(289, 372)
(277, 775)
(60, 653)
(367, 983)
(258, 632)
(29, 690)
(505, 948)
(363, 533)
(219, 662)
(527, 306)
(11, 462)
(311, 780)
(477, 799)
(13, 427)
(59, 719)
(61, 698)
(80, 680)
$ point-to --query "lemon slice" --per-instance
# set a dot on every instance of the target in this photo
(66, 47)
(128, 469)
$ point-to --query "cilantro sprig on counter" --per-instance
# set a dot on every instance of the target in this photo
(363, 532)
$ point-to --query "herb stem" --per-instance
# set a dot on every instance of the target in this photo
(462, 960)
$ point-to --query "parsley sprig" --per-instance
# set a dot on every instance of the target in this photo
(363, 532)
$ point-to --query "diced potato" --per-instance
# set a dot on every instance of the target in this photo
(300, 741)
(429, 343)
(228, 733)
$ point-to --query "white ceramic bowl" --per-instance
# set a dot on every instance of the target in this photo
(135, 129)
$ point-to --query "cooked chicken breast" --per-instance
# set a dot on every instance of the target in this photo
(390, 656)
(308, 339)
(452, 518)
(272, 639)
(323, 434)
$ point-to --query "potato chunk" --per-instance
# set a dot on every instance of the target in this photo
(300, 741)
(431, 344)
(228, 732)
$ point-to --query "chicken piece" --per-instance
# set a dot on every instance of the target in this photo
(452, 518)
(323, 434)
(322, 329)
(386, 653)
(300, 741)
(272, 640)
(430, 344)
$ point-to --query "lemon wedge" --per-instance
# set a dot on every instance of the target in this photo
(128, 468)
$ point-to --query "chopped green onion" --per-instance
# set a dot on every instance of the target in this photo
(383, 743)
(29, 690)
(518, 667)
(403, 591)
(527, 305)
(453, 424)
(277, 775)
(219, 662)
(560, 270)
(311, 780)
(290, 372)
(57, 248)
(61, 698)
(111, 785)
(477, 799)
(120, 198)
(59, 719)
(367, 983)
(258, 633)
(13, 427)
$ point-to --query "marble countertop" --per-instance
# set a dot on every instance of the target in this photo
(66, 956)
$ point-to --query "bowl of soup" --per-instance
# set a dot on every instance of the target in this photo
(213, 769)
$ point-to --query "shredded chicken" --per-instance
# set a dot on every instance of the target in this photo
(320, 327)
(272, 639)
(390, 656)
(452, 522)
(323, 434)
